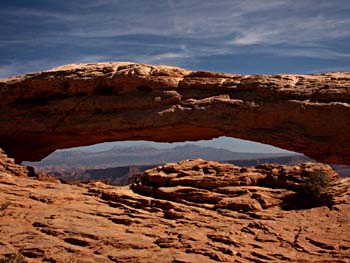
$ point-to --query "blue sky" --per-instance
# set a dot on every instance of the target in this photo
(252, 36)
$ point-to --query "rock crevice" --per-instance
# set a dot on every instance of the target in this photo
(191, 211)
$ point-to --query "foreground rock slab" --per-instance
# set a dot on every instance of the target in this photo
(188, 217)
(84, 104)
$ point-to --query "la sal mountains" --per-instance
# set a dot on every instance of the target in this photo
(119, 163)
(143, 155)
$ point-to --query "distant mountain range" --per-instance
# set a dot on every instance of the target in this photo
(143, 155)
(121, 175)
(118, 164)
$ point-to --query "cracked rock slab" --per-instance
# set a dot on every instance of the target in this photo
(101, 223)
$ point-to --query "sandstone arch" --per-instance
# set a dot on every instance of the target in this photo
(83, 104)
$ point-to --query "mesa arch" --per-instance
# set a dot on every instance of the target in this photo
(84, 104)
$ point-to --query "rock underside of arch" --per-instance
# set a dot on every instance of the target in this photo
(83, 104)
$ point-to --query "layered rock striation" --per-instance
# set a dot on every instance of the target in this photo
(9, 166)
(228, 186)
(192, 211)
(84, 104)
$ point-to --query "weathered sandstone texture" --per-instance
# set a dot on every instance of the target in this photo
(84, 104)
(189, 212)
(8, 165)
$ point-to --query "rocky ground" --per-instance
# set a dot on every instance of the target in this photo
(192, 211)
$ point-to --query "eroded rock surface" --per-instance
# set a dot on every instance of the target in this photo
(218, 185)
(9, 166)
(84, 104)
(193, 211)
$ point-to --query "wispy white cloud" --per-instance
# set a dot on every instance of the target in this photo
(163, 57)
(35, 13)
(250, 22)
(307, 53)
(194, 19)
(99, 29)
(294, 30)
(254, 37)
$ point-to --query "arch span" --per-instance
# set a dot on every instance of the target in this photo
(83, 104)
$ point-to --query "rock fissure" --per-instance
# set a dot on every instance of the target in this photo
(191, 211)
